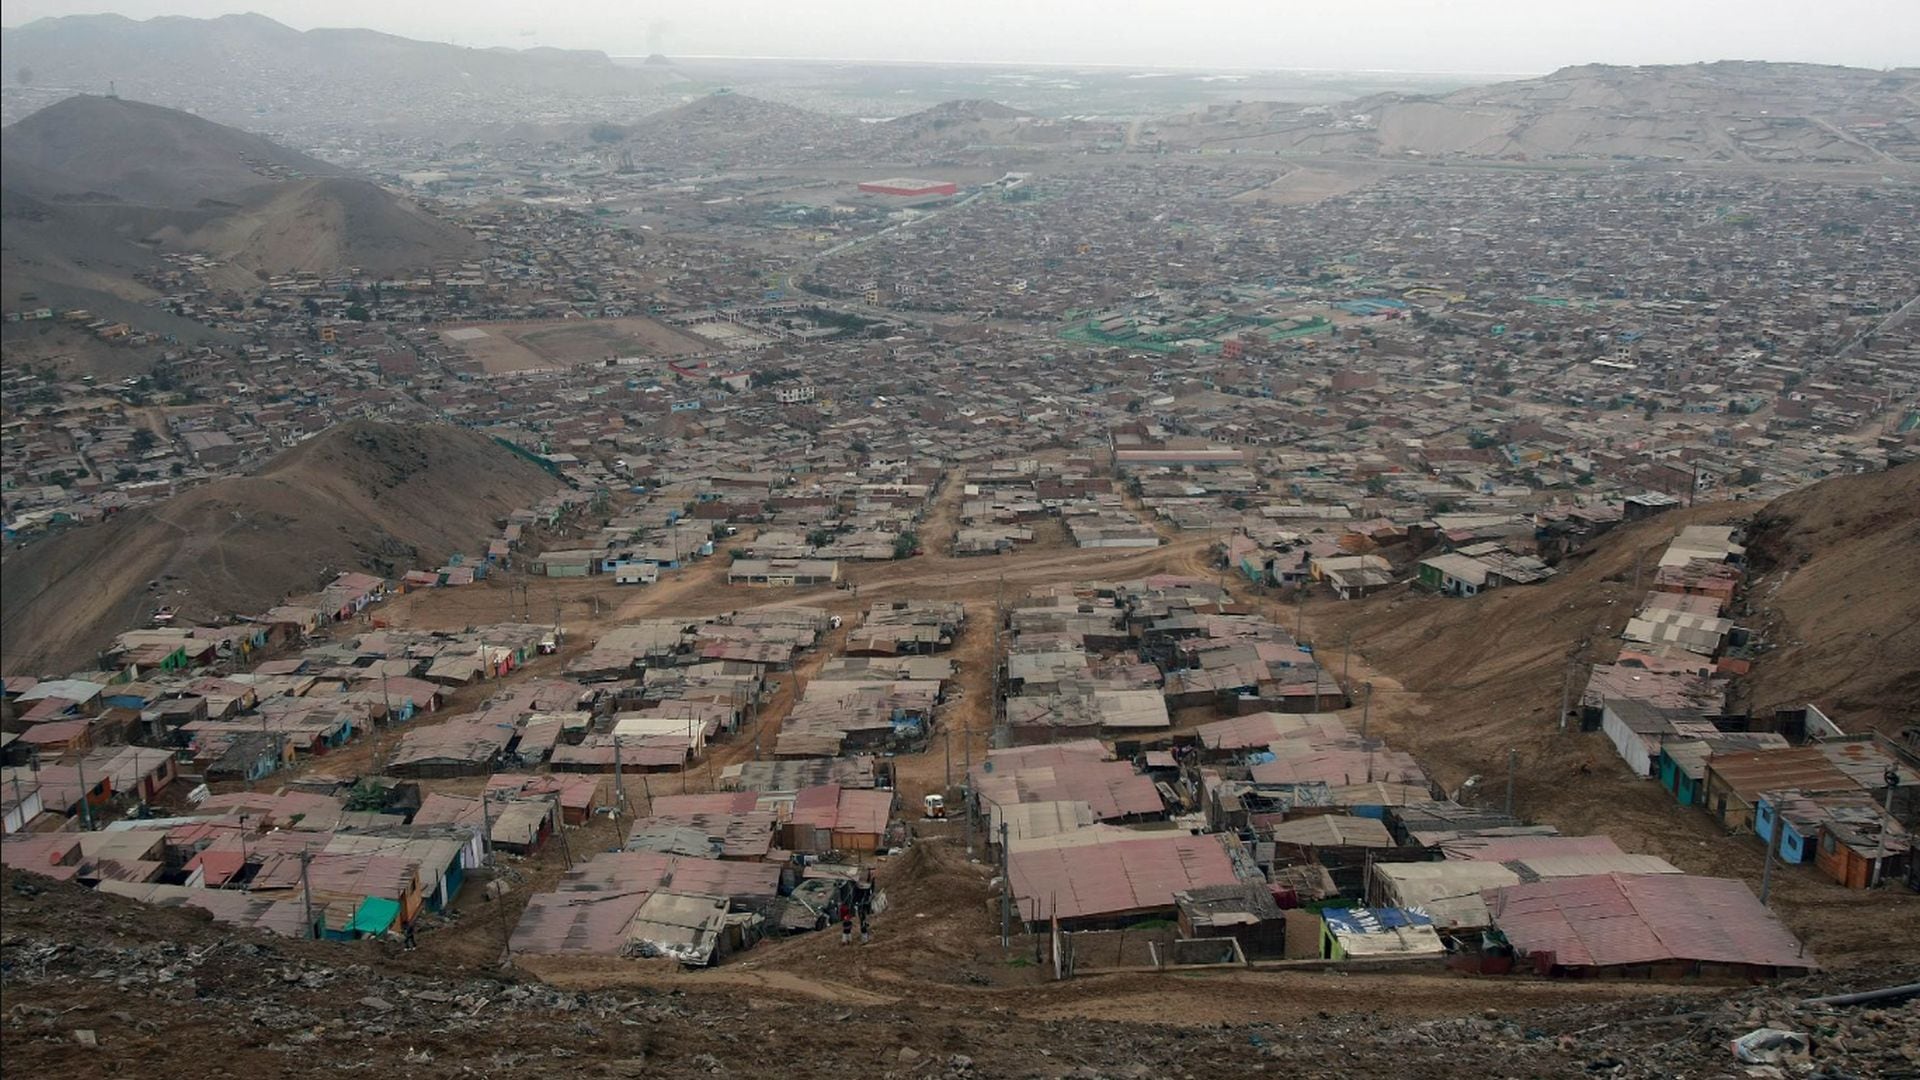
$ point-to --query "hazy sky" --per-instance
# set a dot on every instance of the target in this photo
(1514, 36)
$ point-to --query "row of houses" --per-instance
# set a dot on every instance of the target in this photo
(1791, 776)
(1294, 838)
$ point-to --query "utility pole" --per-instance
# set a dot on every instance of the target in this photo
(86, 795)
(1513, 759)
(1766, 868)
(1006, 890)
(1566, 691)
(1892, 779)
(946, 741)
(966, 791)
(1346, 659)
(306, 891)
(1366, 711)
(619, 789)
(486, 825)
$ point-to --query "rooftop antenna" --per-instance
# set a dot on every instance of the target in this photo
(112, 91)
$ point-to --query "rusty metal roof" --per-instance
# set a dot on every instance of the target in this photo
(1611, 920)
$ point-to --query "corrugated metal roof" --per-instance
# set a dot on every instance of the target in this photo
(1611, 920)
(1135, 873)
(1324, 830)
(1754, 772)
(1449, 893)
(1261, 729)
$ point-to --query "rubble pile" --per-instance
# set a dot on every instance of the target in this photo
(165, 987)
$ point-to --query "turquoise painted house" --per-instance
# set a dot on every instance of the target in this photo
(1795, 846)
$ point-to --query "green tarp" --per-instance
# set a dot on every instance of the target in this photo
(374, 915)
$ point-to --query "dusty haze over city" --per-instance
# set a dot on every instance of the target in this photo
(1049, 540)
(1484, 36)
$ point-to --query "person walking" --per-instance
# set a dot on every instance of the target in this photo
(408, 928)
(846, 924)
(866, 931)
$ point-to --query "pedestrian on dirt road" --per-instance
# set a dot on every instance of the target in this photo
(846, 923)
(408, 928)
(866, 931)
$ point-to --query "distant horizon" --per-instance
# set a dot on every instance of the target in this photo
(1493, 38)
(1171, 68)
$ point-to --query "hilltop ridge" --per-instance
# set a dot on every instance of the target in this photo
(96, 188)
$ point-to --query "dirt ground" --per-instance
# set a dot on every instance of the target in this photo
(96, 986)
(553, 344)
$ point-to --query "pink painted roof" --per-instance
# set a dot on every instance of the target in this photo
(1262, 728)
(817, 806)
(1609, 920)
(1112, 788)
(220, 865)
(863, 810)
(55, 731)
(1134, 874)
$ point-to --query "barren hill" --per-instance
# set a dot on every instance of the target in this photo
(242, 64)
(363, 496)
(96, 149)
(1835, 586)
(323, 225)
(723, 124)
(959, 111)
(1824, 591)
(1747, 113)
(94, 187)
(976, 122)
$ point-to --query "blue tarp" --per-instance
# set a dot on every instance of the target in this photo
(1372, 920)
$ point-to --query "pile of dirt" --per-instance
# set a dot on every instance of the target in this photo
(367, 496)
(1833, 587)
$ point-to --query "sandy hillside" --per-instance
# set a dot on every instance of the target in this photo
(377, 497)
(1742, 113)
(94, 186)
(322, 225)
(1837, 589)
(129, 151)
